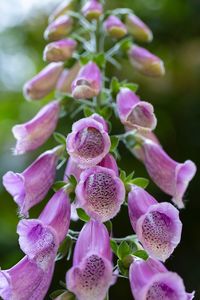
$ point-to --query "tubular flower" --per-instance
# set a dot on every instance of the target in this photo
(31, 186)
(59, 50)
(91, 274)
(157, 225)
(39, 240)
(134, 113)
(88, 143)
(109, 162)
(62, 9)
(138, 28)
(151, 280)
(146, 62)
(92, 9)
(114, 27)
(36, 132)
(59, 28)
(100, 193)
(66, 78)
(44, 82)
(87, 84)
(172, 177)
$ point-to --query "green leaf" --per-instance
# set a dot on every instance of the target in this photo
(123, 250)
(114, 86)
(141, 254)
(100, 60)
(141, 182)
(124, 271)
(72, 181)
(56, 293)
(114, 143)
(123, 175)
(131, 86)
(58, 185)
(114, 246)
(130, 176)
(65, 249)
(82, 215)
(106, 112)
(88, 111)
(60, 138)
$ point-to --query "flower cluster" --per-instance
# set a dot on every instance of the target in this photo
(93, 188)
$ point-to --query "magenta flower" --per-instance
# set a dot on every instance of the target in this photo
(39, 240)
(87, 83)
(146, 62)
(92, 9)
(59, 50)
(100, 193)
(44, 82)
(88, 143)
(157, 225)
(138, 28)
(59, 28)
(25, 281)
(151, 280)
(91, 274)
(172, 177)
(114, 27)
(66, 78)
(36, 132)
(31, 186)
(134, 113)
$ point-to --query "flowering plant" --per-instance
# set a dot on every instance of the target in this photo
(93, 188)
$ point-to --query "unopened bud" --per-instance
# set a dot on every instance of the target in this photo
(43, 83)
(114, 27)
(62, 9)
(59, 28)
(145, 62)
(138, 28)
(92, 9)
(59, 50)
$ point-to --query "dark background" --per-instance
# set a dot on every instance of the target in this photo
(176, 27)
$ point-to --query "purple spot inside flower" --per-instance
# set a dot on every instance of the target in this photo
(89, 143)
(101, 193)
(157, 231)
(161, 291)
(93, 272)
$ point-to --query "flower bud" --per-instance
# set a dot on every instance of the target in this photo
(31, 186)
(145, 62)
(114, 27)
(170, 176)
(91, 274)
(92, 9)
(62, 9)
(138, 28)
(36, 132)
(157, 225)
(59, 28)
(133, 113)
(151, 280)
(66, 78)
(100, 193)
(44, 82)
(88, 143)
(87, 84)
(59, 50)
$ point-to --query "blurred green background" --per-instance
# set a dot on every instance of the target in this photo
(176, 27)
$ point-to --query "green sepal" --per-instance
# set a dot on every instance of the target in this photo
(65, 249)
(82, 215)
